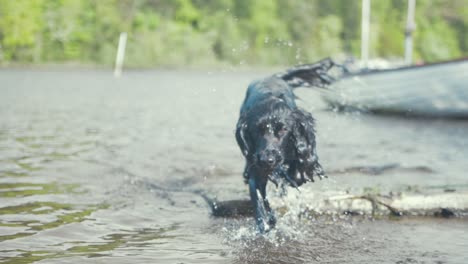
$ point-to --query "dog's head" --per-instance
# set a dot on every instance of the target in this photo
(273, 134)
(272, 139)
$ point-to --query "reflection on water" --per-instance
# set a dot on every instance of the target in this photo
(27, 189)
(130, 239)
(62, 213)
(95, 169)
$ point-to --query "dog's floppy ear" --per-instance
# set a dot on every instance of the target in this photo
(242, 136)
(303, 132)
(304, 140)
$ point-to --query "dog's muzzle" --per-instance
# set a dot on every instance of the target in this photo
(269, 158)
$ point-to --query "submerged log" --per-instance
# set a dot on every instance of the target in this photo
(435, 205)
(439, 205)
(232, 208)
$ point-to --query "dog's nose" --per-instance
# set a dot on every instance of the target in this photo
(270, 160)
(269, 157)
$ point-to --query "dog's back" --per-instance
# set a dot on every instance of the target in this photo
(271, 88)
(281, 85)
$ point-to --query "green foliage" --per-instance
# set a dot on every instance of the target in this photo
(20, 24)
(210, 32)
(389, 28)
(437, 41)
(439, 35)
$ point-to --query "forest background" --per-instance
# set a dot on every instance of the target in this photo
(223, 32)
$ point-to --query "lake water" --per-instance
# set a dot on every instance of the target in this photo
(95, 169)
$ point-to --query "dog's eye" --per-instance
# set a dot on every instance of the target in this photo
(280, 130)
(265, 128)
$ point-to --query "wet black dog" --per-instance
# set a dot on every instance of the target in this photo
(276, 137)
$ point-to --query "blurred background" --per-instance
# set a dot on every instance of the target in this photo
(223, 32)
(97, 169)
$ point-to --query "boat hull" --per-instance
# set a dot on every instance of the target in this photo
(435, 90)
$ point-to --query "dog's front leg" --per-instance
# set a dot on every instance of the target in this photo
(264, 216)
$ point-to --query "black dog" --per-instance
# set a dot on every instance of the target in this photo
(276, 137)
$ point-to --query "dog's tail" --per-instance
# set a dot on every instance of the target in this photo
(315, 74)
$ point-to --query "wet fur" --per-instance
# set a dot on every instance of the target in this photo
(276, 137)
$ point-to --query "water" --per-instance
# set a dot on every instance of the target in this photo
(96, 170)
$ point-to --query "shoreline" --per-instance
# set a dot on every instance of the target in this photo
(102, 67)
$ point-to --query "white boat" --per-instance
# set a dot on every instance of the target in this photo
(439, 89)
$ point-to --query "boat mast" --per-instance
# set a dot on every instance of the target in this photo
(365, 21)
(410, 27)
